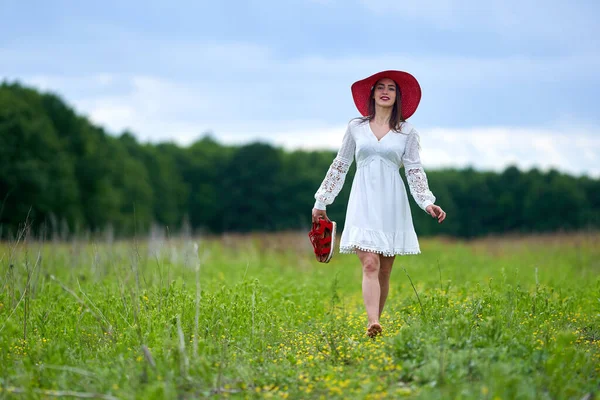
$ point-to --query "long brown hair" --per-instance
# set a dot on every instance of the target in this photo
(396, 119)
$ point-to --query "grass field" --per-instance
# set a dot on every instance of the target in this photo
(250, 317)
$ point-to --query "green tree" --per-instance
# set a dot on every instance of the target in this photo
(37, 179)
(58, 168)
(251, 192)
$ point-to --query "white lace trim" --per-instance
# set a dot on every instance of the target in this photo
(415, 174)
(336, 175)
(334, 181)
(351, 249)
(419, 187)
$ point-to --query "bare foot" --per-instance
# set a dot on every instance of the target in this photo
(374, 329)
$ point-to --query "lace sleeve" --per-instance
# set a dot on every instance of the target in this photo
(336, 175)
(415, 174)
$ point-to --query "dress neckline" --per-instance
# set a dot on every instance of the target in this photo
(373, 133)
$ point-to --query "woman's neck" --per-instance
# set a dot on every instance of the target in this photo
(382, 115)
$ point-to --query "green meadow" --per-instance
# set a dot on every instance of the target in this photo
(257, 317)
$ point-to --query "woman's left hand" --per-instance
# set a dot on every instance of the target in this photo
(436, 212)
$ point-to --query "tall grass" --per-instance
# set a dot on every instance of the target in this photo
(256, 316)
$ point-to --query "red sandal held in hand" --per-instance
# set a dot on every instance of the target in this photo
(322, 237)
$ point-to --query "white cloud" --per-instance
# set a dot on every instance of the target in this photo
(113, 116)
(290, 135)
(486, 148)
(161, 110)
(493, 148)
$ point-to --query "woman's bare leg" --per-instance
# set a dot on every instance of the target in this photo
(370, 284)
(385, 270)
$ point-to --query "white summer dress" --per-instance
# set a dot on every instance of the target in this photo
(378, 217)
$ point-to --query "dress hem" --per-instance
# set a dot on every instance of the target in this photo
(351, 249)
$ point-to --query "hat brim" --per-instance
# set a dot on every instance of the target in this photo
(410, 91)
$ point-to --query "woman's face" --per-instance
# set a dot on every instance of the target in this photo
(385, 92)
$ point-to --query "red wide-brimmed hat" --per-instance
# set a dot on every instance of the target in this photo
(410, 91)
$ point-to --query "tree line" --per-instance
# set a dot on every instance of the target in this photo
(60, 173)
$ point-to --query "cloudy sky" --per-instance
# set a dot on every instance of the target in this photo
(504, 81)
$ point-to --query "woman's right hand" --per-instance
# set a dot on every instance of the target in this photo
(316, 214)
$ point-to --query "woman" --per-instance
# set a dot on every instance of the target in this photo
(378, 222)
